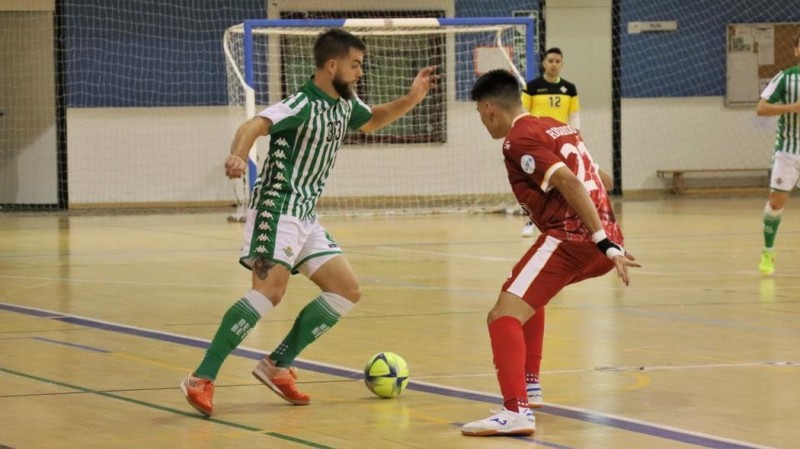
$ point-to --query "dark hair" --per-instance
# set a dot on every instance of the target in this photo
(334, 43)
(555, 50)
(498, 85)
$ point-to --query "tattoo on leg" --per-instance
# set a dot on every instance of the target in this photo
(261, 267)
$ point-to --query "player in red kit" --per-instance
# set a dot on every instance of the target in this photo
(556, 181)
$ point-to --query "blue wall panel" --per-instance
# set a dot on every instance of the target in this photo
(149, 52)
(124, 53)
(691, 61)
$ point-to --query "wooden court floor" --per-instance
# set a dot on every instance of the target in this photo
(101, 316)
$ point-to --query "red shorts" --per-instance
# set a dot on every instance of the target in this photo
(550, 265)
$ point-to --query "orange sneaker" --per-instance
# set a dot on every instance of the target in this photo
(280, 380)
(199, 394)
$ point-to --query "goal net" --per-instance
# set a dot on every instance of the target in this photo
(437, 156)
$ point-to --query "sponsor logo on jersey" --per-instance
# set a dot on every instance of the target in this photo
(563, 89)
(527, 163)
(544, 89)
(281, 142)
(288, 251)
(506, 145)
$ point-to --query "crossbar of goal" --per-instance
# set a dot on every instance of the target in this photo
(387, 23)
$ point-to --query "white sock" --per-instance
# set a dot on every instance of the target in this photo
(258, 302)
(337, 302)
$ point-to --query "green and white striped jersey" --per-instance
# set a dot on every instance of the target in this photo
(307, 130)
(784, 88)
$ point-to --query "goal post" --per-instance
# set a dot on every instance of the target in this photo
(438, 155)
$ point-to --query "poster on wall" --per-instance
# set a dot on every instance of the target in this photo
(755, 53)
(764, 38)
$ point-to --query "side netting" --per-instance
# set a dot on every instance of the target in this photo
(438, 156)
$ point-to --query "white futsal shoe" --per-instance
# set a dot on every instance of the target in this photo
(503, 422)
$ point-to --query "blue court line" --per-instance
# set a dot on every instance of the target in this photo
(631, 425)
(74, 345)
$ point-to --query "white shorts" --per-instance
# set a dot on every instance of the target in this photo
(785, 171)
(302, 246)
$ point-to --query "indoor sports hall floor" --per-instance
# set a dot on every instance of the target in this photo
(101, 317)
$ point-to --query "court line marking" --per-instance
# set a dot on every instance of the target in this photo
(165, 409)
(74, 345)
(580, 414)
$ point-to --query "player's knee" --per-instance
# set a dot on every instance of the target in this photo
(352, 293)
(274, 293)
(777, 203)
(274, 296)
(494, 314)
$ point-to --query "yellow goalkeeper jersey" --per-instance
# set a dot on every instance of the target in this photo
(557, 100)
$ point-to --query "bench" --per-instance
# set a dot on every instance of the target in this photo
(678, 185)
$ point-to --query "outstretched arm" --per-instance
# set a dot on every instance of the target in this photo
(765, 108)
(384, 114)
(244, 139)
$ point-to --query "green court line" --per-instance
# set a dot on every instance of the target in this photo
(168, 409)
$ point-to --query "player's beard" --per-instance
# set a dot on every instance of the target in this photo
(345, 90)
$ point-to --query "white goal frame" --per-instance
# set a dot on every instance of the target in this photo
(361, 27)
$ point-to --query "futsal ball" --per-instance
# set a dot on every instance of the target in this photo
(386, 374)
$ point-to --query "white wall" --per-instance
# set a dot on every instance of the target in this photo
(582, 29)
(176, 154)
(132, 155)
(135, 155)
(700, 132)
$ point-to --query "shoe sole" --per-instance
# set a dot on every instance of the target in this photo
(265, 380)
(196, 407)
(491, 433)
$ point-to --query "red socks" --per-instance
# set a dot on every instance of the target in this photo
(508, 348)
(534, 339)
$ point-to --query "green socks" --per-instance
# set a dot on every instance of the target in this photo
(318, 317)
(772, 218)
(236, 324)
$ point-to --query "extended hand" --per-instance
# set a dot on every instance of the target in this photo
(622, 263)
(424, 81)
(234, 166)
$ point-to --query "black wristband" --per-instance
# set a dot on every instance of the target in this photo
(609, 248)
